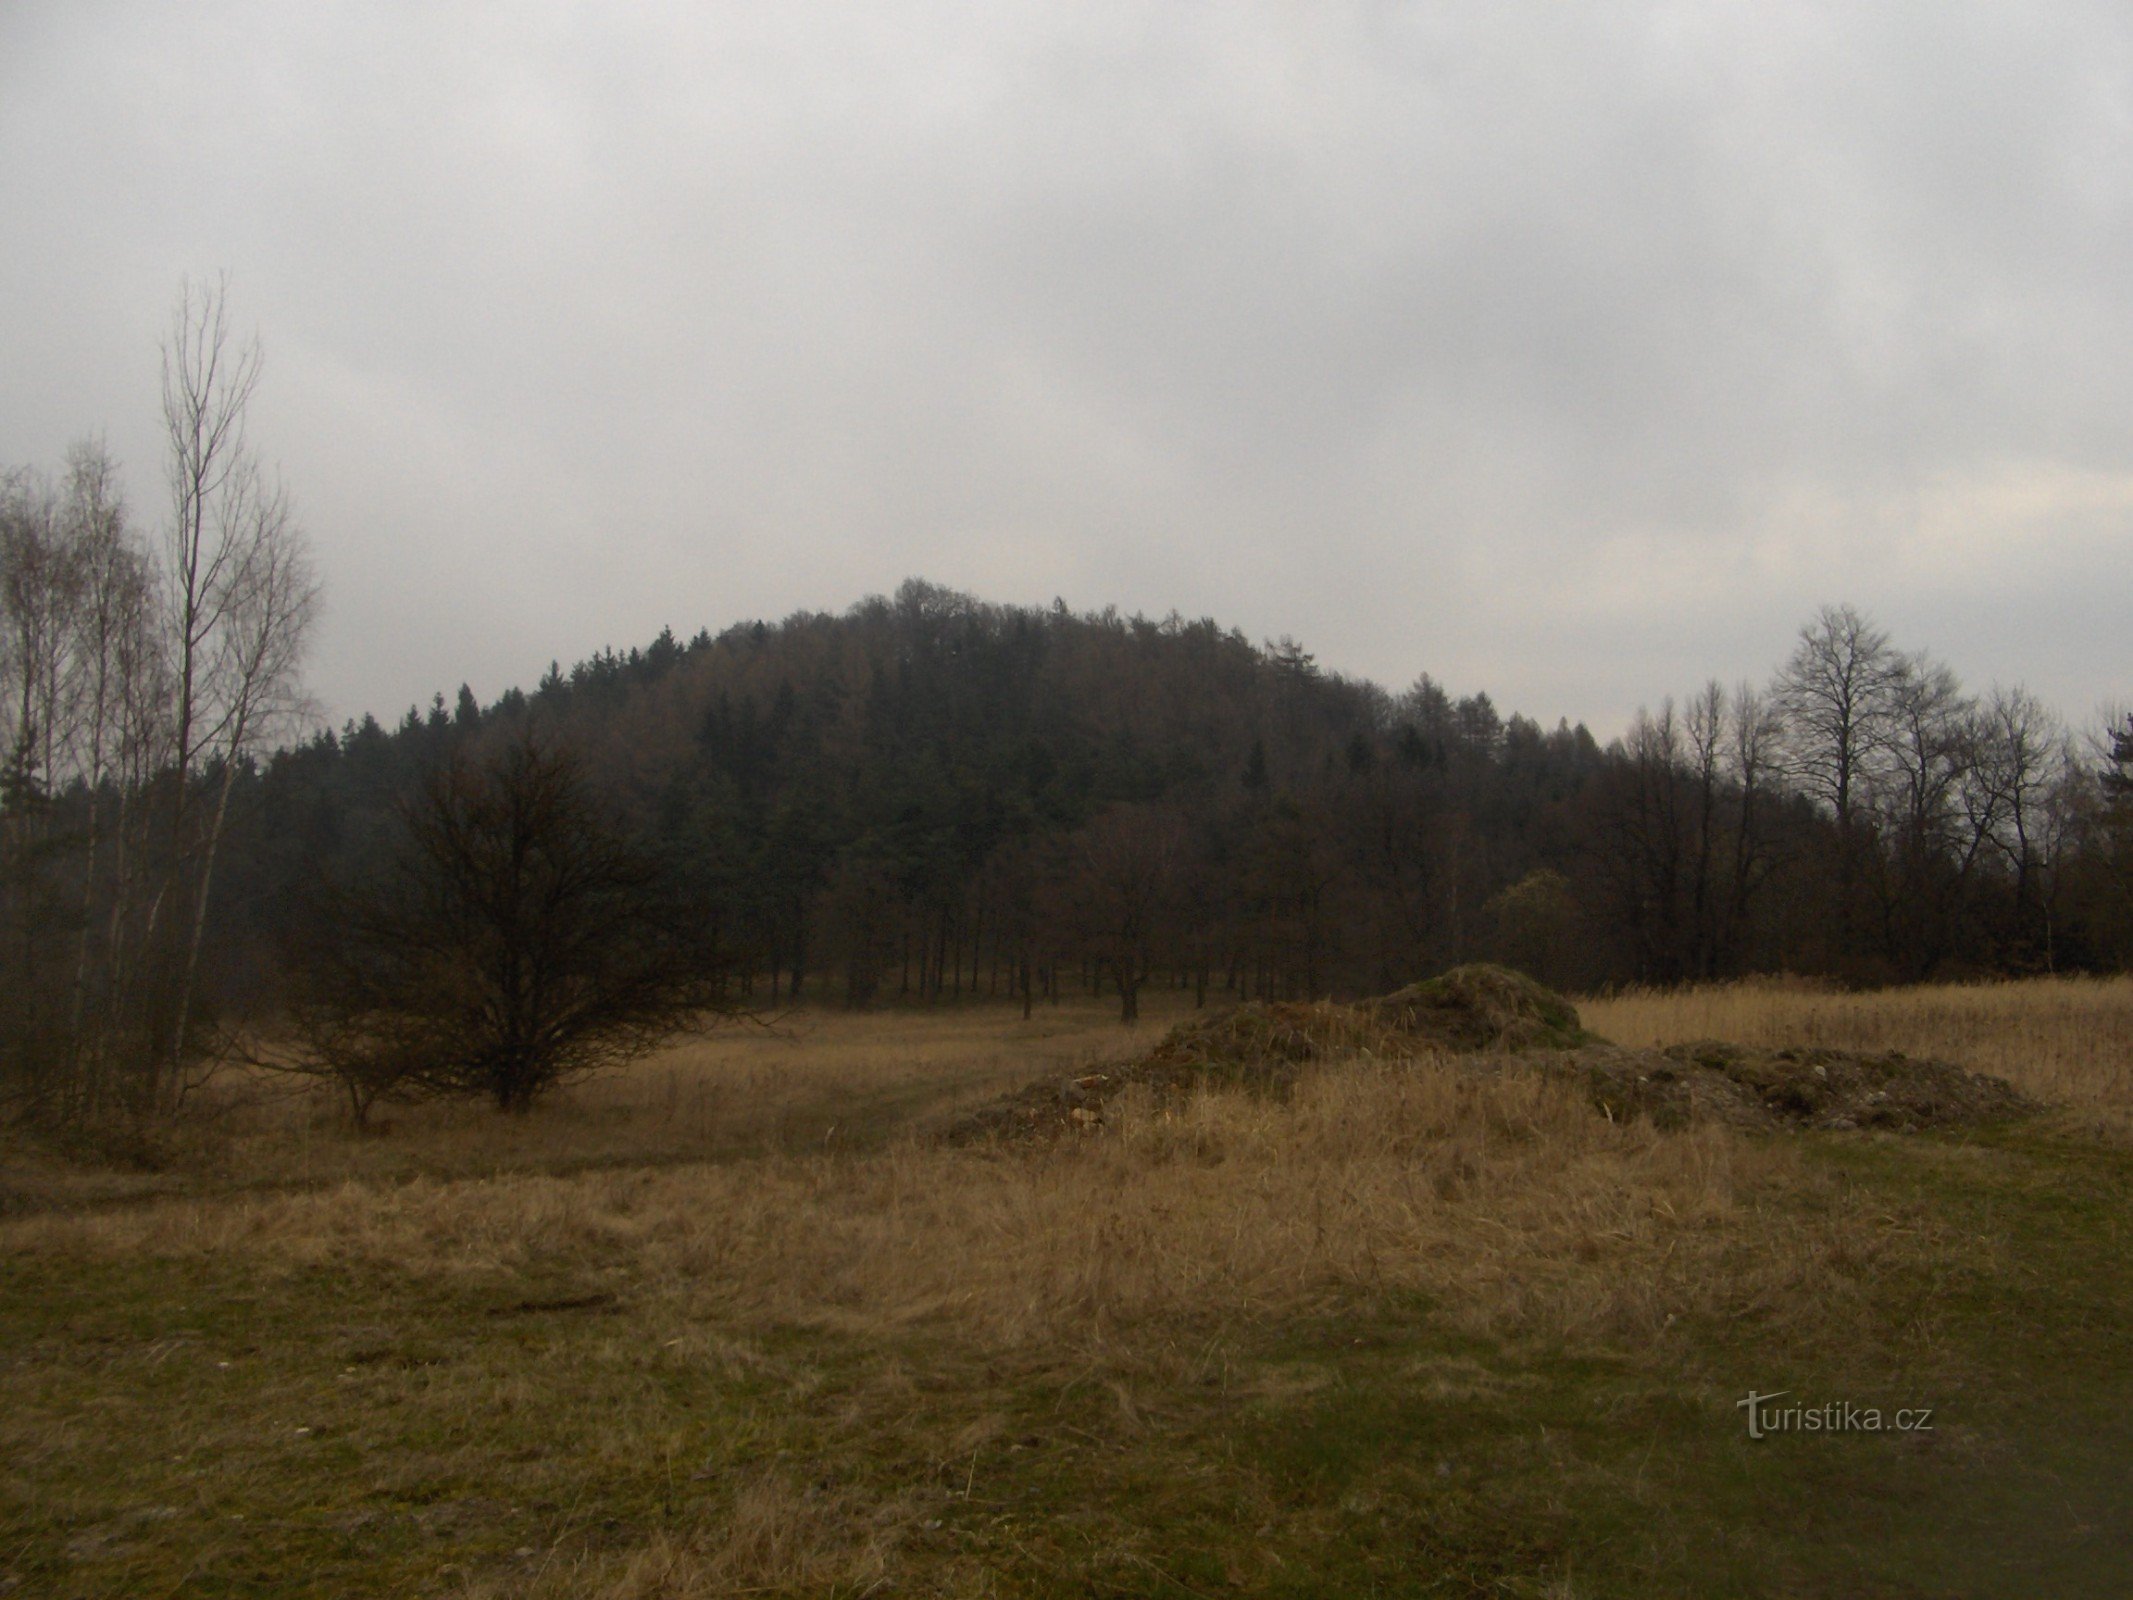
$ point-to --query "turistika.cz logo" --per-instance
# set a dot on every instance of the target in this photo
(1766, 1417)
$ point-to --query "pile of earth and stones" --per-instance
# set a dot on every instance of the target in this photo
(1486, 1018)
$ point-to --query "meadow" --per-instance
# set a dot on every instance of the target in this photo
(731, 1322)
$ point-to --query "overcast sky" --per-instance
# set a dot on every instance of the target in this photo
(1571, 352)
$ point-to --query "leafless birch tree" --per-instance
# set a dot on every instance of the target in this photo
(242, 597)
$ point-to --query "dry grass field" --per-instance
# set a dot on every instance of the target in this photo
(2066, 1041)
(729, 1323)
(807, 1080)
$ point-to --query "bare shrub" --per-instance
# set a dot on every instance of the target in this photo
(517, 941)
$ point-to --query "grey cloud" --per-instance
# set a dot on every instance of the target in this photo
(1574, 352)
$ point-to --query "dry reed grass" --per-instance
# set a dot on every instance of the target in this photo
(1505, 1199)
(2065, 1041)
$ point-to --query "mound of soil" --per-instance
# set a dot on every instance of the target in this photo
(1753, 1088)
(1262, 1046)
(1258, 1045)
(1507, 1020)
(1480, 1007)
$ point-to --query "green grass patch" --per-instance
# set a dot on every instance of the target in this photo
(204, 1428)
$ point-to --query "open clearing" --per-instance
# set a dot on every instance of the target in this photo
(726, 1324)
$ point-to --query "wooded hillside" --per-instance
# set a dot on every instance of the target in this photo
(931, 796)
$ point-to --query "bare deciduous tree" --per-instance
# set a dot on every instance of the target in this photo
(208, 383)
(119, 700)
(1757, 733)
(83, 712)
(518, 941)
(242, 598)
(2022, 766)
(1130, 864)
(37, 596)
(1835, 695)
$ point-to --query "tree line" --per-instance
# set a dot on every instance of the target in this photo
(929, 797)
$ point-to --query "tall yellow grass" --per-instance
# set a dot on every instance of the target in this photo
(2066, 1041)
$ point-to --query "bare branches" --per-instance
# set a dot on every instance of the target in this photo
(518, 941)
(122, 675)
(1835, 695)
(242, 595)
(266, 610)
(38, 586)
(1131, 862)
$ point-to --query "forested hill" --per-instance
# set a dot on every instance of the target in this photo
(929, 794)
